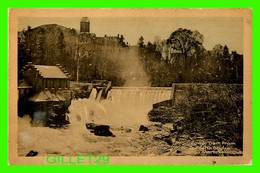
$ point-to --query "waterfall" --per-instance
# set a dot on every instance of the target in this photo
(123, 105)
(93, 94)
(99, 95)
(140, 95)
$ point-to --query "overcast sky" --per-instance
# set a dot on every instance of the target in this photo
(223, 31)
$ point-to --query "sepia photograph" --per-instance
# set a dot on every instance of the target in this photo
(130, 85)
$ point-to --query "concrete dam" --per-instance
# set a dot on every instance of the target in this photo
(122, 106)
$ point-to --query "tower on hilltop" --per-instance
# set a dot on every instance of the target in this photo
(84, 25)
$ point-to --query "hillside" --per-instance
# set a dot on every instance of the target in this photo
(110, 58)
(49, 44)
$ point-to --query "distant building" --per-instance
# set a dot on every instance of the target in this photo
(94, 42)
(84, 25)
(91, 48)
(75, 49)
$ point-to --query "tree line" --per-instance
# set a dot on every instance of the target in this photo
(181, 58)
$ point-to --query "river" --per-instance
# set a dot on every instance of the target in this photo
(124, 108)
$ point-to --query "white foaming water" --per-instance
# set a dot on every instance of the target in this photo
(93, 94)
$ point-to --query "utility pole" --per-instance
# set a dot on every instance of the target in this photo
(78, 70)
(77, 56)
(173, 93)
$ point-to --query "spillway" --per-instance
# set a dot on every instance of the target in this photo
(123, 105)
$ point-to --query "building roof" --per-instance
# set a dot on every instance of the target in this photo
(50, 71)
(84, 19)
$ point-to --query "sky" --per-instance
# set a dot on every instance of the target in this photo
(225, 31)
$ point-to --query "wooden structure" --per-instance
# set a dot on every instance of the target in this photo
(44, 94)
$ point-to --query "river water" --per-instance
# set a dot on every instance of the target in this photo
(125, 107)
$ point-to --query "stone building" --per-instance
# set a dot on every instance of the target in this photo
(84, 24)
(94, 52)
(93, 41)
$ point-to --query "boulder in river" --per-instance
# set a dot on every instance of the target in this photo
(103, 130)
(168, 141)
(32, 153)
(143, 128)
(99, 130)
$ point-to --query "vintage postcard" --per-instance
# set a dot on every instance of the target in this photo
(130, 86)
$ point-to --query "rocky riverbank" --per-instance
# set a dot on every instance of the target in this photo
(205, 114)
(162, 140)
(159, 140)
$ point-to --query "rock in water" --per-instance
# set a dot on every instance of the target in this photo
(168, 141)
(90, 125)
(143, 128)
(103, 130)
(178, 151)
(128, 130)
(32, 153)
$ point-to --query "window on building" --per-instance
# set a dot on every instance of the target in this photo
(46, 83)
(21, 91)
(60, 81)
(67, 83)
(49, 83)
